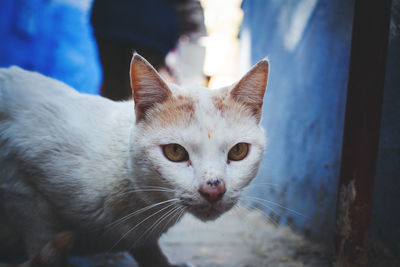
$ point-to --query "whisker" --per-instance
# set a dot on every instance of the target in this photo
(175, 215)
(273, 185)
(145, 190)
(171, 216)
(244, 223)
(180, 211)
(149, 189)
(268, 218)
(160, 220)
(151, 229)
(180, 215)
(261, 201)
(126, 217)
(156, 187)
(137, 225)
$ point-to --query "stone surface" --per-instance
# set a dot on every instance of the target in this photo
(240, 238)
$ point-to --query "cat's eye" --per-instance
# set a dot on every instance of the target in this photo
(175, 152)
(238, 151)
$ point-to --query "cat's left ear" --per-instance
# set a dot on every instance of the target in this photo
(148, 88)
(251, 88)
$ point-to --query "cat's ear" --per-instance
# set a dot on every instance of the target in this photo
(148, 88)
(251, 88)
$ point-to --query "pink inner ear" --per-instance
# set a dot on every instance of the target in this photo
(148, 88)
(251, 88)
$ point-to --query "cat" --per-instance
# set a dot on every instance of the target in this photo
(119, 174)
(54, 253)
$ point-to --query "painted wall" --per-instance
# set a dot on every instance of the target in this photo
(308, 44)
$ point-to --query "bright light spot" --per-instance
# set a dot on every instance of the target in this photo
(222, 20)
(245, 52)
(298, 22)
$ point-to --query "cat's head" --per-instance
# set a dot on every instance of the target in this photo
(204, 146)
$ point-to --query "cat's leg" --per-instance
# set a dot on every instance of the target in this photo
(54, 253)
(151, 255)
(34, 231)
(30, 218)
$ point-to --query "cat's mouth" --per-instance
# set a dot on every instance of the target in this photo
(208, 212)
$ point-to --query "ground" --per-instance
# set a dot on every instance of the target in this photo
(240, 238)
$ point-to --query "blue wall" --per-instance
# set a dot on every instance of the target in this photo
(308, 44)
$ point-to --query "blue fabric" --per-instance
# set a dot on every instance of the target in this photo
(50, 37)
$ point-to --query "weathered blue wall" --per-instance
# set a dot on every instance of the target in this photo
(308, 44)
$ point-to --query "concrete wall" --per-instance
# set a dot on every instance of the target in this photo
(308, 44)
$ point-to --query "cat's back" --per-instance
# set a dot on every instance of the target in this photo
(42, 114)
(22, 91)
(29, 94)
(17, 84)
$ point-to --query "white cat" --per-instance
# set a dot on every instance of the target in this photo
(119, 174)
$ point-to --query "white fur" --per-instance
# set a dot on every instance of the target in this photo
(70, 161)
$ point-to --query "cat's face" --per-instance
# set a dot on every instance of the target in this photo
(205, 145)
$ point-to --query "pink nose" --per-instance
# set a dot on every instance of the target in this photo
(212, 190)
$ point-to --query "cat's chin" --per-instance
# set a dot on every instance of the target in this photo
(206, 216)
(209, 213)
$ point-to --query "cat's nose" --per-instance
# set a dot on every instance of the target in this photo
(212, 190)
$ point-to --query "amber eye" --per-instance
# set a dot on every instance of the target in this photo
(175, 153)
(238, 151)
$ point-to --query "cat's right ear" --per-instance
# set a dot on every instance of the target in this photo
(148, 88)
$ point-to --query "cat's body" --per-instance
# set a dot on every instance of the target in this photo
(80, 163)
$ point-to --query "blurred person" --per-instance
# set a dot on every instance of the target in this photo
(152, 28)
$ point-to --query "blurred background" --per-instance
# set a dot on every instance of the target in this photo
(88, 45)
